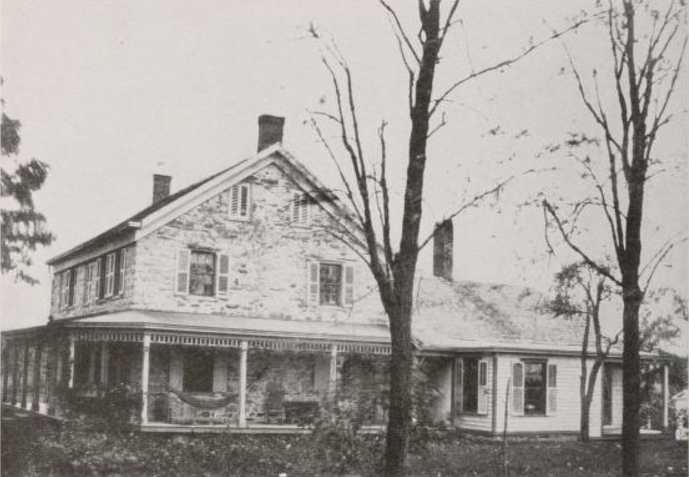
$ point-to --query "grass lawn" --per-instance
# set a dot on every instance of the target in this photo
(32, 447)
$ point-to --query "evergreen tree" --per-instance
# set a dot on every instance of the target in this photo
(23, 227)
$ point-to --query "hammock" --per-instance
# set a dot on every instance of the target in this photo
(204, 402)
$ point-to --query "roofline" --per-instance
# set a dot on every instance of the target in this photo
(125, 226)
(146, 220)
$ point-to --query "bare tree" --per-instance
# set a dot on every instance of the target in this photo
(580, 292)
(369, 193)
(644, 79)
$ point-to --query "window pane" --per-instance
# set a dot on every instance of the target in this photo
(330, 284)
(534, 388)
(470, 391)
(202, 273)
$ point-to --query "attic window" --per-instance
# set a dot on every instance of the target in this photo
(240, 199)
(299, 212)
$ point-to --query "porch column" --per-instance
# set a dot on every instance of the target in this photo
(666, 395)
(244, 347)
(51, 379)
(104, 363)
(332, 376)
(25, 375)
(5, 373)
(70, 362)
(144, 378)
(37, 377)
(15, 372)
(92, 363)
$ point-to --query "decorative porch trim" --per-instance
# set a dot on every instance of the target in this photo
(188, 339)
(93, 335)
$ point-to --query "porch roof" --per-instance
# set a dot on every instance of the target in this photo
(237, 326)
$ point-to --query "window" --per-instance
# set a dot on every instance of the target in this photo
(109, 274)
(240, 201)
(299, 213)
(471, 385)
(534, 388)
(198, 371)
(330, 284)
(67, 283)
(202, 273)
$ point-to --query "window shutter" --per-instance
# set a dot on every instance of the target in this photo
(459, 385)
(100, 271)
(518, 389)
(312, 287)
(182, 275)
(88, 283)
(126, 258)
(482, 387)
(223, 274)
(304, 209)
(552, 388)
(244, 200)
(118, 278)
(234, 201)
(348, 285)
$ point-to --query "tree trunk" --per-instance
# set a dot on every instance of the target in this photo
(631, 386)
(399, 417)
(585, 419)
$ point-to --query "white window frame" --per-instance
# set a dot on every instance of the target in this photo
(109, 274)
(65, 278)
(242, 211)
(481, 390)
(313, 283)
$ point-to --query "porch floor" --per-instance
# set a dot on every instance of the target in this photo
(253, 428)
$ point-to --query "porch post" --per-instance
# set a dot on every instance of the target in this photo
(25, 375)
(15, 372)
(51, 378)
(144, 377)
(70, 361)
(244, 347)
(666, 395)
(5, 372)
(92, 363)
(104, 362)
(332, 376)
(37, 376)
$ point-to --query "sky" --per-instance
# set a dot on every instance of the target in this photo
(111, 92)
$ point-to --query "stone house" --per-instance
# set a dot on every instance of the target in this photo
(236, 302)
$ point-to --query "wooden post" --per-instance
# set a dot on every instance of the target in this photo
(5, 373)
(70, 362)
(666, 396)
(15, 373)
(104, 363)
(244, 347)
(51, 380)
(144, 377)
(25, 375)
(332, 375)
(37, 377)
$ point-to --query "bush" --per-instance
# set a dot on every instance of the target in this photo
(112, 407)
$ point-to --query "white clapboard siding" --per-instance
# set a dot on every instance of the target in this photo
(566, 417)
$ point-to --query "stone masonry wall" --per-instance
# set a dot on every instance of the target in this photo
(268, 257)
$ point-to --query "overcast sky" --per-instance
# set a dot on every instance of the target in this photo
(110, 92)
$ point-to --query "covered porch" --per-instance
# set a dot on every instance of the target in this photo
(192, 380)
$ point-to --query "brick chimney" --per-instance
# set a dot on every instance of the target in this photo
(442, 250)
(161, 187)
(269, 130)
